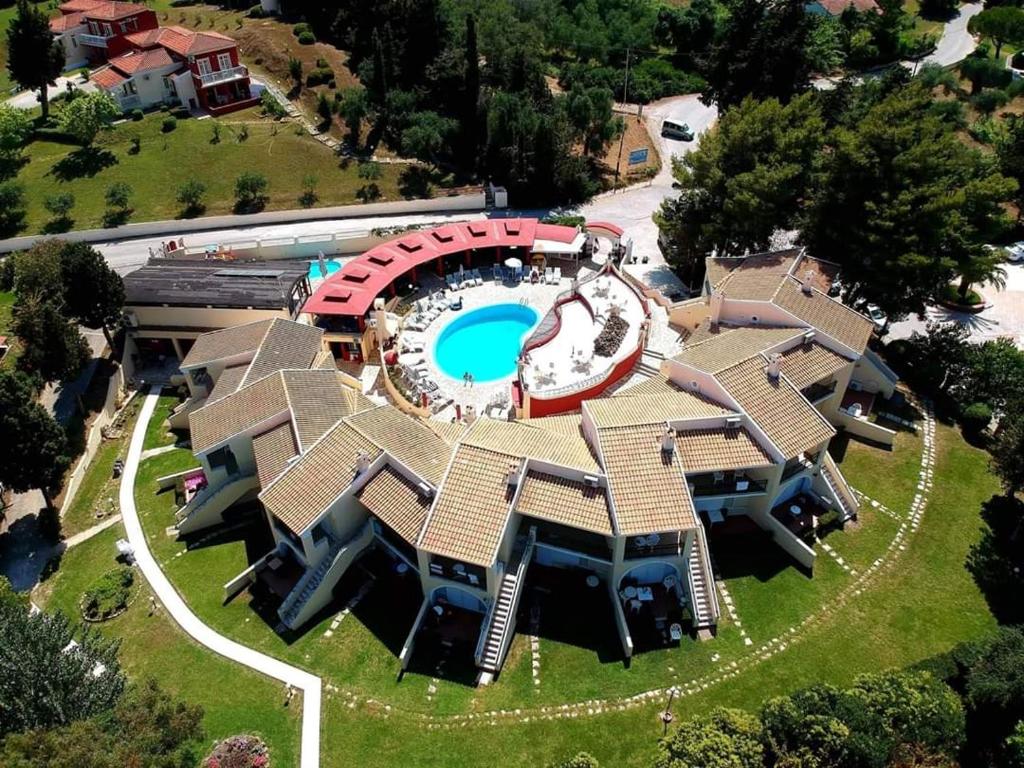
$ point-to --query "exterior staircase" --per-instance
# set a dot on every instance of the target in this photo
(208, 506)
(839, 488)
(702, 585)
(649, 364)
(498, 636)
(300, 604)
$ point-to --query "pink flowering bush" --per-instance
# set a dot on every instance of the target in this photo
(243, 751)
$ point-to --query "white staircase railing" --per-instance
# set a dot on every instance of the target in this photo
(212, 503)
(503, 618)
(844, 497)
(700, 574)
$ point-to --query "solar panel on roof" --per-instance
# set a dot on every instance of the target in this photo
(248, 273)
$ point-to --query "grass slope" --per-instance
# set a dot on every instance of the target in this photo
(922, 605)
(166, 160)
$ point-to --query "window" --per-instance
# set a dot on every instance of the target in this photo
(224, 61)
(224, 457)
(204, 66)
(108, 31)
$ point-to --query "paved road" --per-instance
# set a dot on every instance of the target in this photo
(1004, 316)
(956, 42)
(632, 208)
(188, 621)
(30, 99)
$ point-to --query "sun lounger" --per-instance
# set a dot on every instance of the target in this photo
(497, 273)
(558, 275)
(452, 283)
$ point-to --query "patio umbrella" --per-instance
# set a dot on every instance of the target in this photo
(513, 263)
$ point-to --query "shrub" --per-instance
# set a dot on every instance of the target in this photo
(307, 38)
(238, 752)
(322, 63)
(169, 124)
(271, 106)
(250, 192)
(300, 29)
(828, 520)
(190, 196)
(256, 12)
(108, 595)
(137, 115)
(60, 204)
(319, 76)
(976, 417)
(989, 100)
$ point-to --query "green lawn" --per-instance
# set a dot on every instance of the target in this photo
(921, 603)
(157, 433)
(6, 310)
(235, 699)
(166, 160)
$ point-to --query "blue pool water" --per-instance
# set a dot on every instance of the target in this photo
(333, 265)
(484, 342)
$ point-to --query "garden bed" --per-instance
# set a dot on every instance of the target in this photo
(610, 339)
(109, 596)
(242, 751)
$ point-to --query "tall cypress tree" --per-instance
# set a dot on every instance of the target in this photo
(470, 119)
(34, 58)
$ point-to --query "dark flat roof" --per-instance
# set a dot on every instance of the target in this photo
(214, 283)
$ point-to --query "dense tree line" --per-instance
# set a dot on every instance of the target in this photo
(873, 177)
(65, 703)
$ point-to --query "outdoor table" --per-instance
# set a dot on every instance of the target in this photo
(795, 511)
(274, 563)
(592, 581)
(629, 592)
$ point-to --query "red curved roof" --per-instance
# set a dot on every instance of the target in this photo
(606, 225)
(352, 289)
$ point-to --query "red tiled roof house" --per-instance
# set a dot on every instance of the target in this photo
(148, 65)
(93, 31)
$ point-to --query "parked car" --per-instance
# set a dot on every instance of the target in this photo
(676, 130)
(878, 317)
(1015, 252)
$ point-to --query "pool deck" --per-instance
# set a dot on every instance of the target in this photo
(577, 333)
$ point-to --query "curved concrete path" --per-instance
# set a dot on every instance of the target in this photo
(200, 632)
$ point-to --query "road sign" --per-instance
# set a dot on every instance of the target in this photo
(637, 156)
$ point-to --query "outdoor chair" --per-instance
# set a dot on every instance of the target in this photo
(558, 275)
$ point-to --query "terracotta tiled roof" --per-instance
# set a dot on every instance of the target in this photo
(652, 409)
(272, 450)
(731, 346)
(721, 449)
(521, 440)
(447, 431)
(318, 399)
(63, 23)
(227, 382)
(141, 61)
(226, 343)
(111, 11)
(471, 510)
(107, 78)
(788, 420)
(73, 6)
(827, 315)
(656, 385)
(648, 488)
(759, 276)
(565, 424)
(719, 268)
(216, 422)
(181, 41)
(301, 494)
(397, 502)
(286, 344)
(569, 502)
(807, 363)
(408, 440)
(836, 7)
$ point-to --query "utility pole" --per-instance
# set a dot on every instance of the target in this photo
(622, 138)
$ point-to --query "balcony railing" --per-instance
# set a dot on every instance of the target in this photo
(667, 545)
(223, 76)
(795, 467)
(96, 41)
(707, 485)
(129, 102)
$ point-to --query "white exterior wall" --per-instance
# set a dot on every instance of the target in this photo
(74, 54)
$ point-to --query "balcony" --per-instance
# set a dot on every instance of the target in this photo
(796, 466)
(129, 102)
(818, 391)
(223, 76)
(96, 41)
(711, 485)
(653, 545)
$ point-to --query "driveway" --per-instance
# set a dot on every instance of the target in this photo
(1004, 316)
(956, 42)
(632, 208)
(30, 99)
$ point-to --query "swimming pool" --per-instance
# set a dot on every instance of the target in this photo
(333, 265)
(484, 342)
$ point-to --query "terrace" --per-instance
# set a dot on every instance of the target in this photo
(725, 484)
(800, 515)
